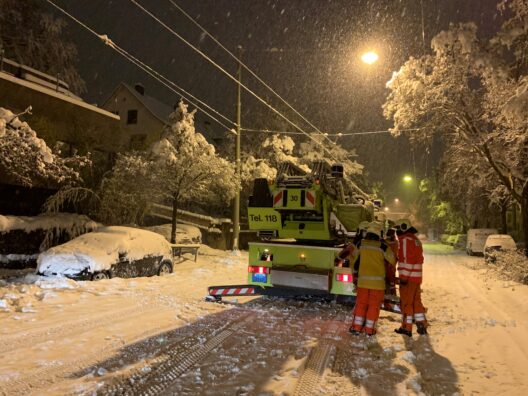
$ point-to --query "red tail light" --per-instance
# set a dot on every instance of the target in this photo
(346, 278)
(258, 270)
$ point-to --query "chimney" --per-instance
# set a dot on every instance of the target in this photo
(140, 88)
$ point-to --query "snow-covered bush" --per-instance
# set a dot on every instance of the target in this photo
(26, 160)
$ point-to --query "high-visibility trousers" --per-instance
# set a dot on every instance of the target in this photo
(367, 309)
(411, 305)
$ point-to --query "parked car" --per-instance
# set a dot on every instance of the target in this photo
(476, 238)
(108, 252)
(498, 243)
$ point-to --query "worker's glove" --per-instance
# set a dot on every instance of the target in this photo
(403, 282)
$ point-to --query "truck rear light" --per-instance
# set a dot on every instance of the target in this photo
(346, 278)
(258, 270)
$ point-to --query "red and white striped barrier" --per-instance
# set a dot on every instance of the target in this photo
(231, 291)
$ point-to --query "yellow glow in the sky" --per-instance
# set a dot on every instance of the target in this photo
(369, 57)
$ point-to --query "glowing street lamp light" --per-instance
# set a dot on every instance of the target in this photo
(369, 57)
(407, 179)
(386, 208)
(396, 200)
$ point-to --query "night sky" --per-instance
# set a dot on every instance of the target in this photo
(307, 50)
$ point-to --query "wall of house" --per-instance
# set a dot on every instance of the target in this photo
(61, 119)
(145, 130)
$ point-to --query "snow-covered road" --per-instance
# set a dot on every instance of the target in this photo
(158, 336)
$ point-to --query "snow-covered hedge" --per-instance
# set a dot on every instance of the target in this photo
(23, 238)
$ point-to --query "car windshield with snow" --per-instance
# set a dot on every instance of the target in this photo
(108, 252)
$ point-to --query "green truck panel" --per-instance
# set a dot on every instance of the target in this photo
(264, 219)
(284, 257)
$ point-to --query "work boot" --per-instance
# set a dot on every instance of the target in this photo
(421, 329)
(353, 331)
(403, 331)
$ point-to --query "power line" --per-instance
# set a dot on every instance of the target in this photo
(335, 134)
(205, 56)
(244, 65)
(159, 77)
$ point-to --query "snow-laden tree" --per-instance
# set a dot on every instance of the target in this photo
(30, 35)
(187, 168)
(318, 148)
(474, 93)
(125, 194)
(26, 160)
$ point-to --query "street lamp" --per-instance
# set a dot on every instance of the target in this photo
(396, 200)
(407, 179)
(369, 57)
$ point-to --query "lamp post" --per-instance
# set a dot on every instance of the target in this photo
(236, 206)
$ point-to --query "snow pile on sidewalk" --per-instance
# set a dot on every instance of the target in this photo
(97, 251)
(512, 265)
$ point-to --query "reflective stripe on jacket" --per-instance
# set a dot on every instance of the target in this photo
(410, 257)
(372, 255)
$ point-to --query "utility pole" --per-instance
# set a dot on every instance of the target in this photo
(236, 206)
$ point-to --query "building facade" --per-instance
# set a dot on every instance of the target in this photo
(142, 117)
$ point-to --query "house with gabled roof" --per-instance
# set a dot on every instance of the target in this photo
(142, 116)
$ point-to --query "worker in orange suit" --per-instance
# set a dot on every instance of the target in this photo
(343, 257)
(410, 263)
(392, 241)
(371, 254)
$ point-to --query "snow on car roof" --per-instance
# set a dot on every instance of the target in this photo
(498, 236)
(98, 250)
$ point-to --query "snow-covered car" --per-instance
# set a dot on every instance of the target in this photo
(108, 252)
(476, 239)
(498, 243)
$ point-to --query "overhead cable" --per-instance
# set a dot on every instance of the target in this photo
(205, 56)
(206, 32)
(159, 77)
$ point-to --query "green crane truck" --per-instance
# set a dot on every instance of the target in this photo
(302, 219)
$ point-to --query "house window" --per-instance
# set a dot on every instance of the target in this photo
(132, 117)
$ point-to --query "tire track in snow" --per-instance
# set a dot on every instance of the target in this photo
(46, 376)
(42, 335)
(177, 357)
(312, 376)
